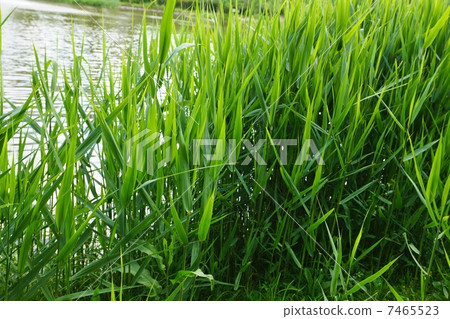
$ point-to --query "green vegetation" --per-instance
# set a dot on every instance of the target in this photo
(366, 80)
(103, 3)
(241, 5)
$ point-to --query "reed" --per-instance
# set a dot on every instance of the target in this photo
(367, 81)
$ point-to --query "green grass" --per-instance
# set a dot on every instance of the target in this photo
(103, 3)
(368, 83)
(241, 5)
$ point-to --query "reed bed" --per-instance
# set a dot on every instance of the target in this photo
(367, 81)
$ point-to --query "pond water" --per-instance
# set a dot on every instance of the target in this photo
(49, 27)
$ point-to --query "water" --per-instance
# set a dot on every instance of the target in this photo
(49, 25)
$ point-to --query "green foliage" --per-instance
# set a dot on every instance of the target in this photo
(103, 3)
(85, 217)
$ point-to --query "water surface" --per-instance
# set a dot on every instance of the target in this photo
(49, 26)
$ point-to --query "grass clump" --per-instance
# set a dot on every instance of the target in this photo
(242, 6)
(367, 81)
